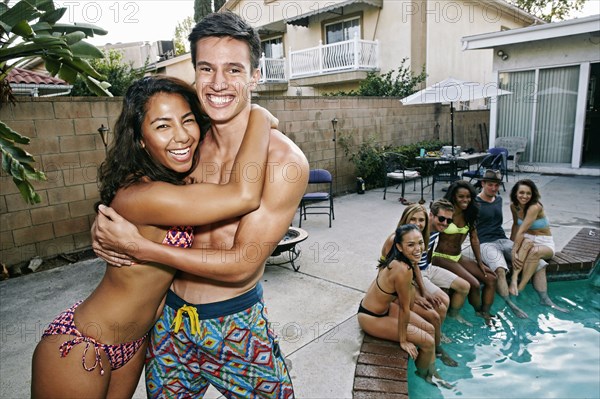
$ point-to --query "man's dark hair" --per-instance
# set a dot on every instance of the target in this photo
(226, 24)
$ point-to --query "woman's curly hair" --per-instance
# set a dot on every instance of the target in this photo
(127, 161)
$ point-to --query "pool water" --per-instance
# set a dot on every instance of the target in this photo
(550, 355)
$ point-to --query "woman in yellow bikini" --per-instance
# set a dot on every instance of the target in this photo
(448, 252)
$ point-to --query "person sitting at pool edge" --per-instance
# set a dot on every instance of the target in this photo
(496, 248)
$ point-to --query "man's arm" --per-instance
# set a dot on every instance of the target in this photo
(257, 235)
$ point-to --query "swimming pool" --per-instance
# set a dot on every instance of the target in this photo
(549, 355)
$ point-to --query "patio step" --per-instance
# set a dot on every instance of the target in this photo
(380, 370)
(578, 258)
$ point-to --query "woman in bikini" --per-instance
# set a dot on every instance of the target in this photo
(530, 232)
(430, 302)
(448, 252)
(385, 311)
(96, 348)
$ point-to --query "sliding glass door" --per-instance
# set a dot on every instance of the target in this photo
(542, 108)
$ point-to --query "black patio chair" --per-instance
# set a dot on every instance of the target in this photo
(447, 170)
(397, 172)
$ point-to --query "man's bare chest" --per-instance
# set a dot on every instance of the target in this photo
(217, 235)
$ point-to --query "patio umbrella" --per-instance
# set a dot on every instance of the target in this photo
(451, 90)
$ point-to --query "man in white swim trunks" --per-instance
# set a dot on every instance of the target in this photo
(496, 248)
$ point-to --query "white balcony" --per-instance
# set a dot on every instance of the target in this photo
(272, 70)
(349, 55)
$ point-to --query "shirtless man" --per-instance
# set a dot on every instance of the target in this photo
(219, 292)
(496, 248)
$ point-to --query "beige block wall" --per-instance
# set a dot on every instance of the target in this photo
(67, 147)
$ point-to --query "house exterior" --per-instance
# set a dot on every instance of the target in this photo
(35, 84)
(316, 47)
(553, 72)
(141, 54)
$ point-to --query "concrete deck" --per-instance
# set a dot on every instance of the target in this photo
(313, 310)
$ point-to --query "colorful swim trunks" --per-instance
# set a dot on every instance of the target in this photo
(226, 344)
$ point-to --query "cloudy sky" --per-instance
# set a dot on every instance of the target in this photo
(129, 21)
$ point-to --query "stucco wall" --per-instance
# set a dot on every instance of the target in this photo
(66, 144)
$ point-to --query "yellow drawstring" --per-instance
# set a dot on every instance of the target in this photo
(192, 314)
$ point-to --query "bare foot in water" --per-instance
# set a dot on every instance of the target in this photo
(513, 288)
(515, 309)
(487, 317)
(424, 374)
(548, 302)
(460, 319)
(438, 380)
(445, 339)
(445, 357)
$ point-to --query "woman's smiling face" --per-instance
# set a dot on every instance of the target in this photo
(463, 198)
(524, 194)
(170, 133)
(418, 219)
(412, 245)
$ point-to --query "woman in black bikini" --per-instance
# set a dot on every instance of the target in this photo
(380, 315)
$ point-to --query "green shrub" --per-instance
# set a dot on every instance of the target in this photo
(368, 158)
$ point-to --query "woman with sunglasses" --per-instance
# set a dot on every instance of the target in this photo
(448, 252)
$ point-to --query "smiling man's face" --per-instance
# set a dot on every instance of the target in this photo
(224, 77)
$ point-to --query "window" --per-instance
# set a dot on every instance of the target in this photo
(342, 30)
(273, 48)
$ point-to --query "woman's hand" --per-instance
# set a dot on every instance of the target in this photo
(114, 238)
(435, 301)
(422, 302)
(484, 269)
(410, 348)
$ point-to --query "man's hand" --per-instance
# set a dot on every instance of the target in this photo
(114, 238)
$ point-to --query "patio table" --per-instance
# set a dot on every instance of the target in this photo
(446, 168)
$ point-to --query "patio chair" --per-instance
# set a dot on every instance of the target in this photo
(515, 146)
(504, 152)
(397, 172)
(491, 161)
(447, 171)
(318, 177)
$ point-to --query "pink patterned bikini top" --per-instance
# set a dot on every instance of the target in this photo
(180, 236)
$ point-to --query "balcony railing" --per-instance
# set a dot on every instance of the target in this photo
(353, 54)
(272, 70)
